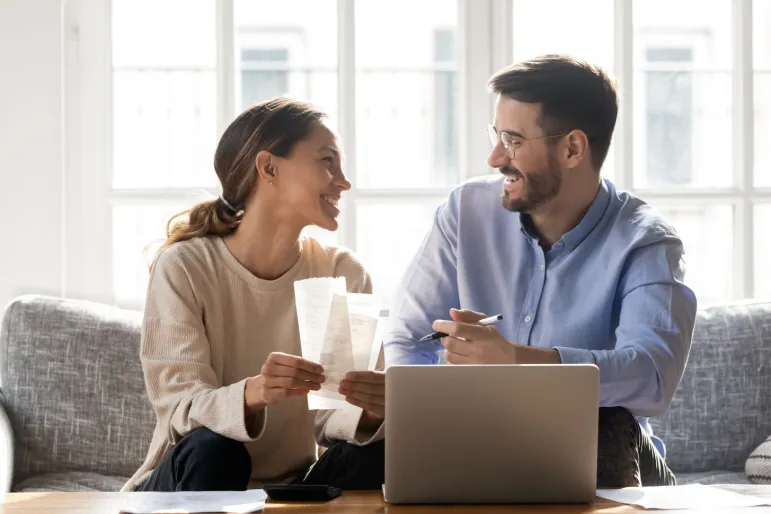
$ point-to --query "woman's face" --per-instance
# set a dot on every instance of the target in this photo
(310, 181)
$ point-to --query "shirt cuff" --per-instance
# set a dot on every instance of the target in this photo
(343, 425)
(248, 428)
(575, 355)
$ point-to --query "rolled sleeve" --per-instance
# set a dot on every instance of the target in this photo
(653, 337)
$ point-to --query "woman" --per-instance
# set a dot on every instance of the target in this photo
(220, 339)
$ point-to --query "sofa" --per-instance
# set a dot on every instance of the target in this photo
(75, 416)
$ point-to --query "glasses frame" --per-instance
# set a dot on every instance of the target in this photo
(507, 139)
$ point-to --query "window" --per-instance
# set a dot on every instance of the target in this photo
(691, 139)
(681, 148)
(669, 101)
(173, 97)
(761, 19)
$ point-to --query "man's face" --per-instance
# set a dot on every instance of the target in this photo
(533, 175)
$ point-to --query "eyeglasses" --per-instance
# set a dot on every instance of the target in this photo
(511, 142)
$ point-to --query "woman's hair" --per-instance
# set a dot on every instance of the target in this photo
(276, 126)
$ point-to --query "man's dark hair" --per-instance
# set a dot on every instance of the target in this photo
(573, 95)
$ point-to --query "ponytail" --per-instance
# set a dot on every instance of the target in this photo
(208, 218)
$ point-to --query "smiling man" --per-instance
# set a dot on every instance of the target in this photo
(582, 272)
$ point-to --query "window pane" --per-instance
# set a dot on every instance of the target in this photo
(407, 132)
(164, 128)
(164, 93)
(536, 30)
(761, 48)
(707, 234)
(134, 228)
(388, 236)
(762, 251)
(286, 48)
(163, 33)
(682, 94)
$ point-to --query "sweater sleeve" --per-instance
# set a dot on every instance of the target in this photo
(175, 356)
(343, 424)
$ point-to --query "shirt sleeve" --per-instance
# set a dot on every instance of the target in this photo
(653, 337)
(428, 291)
(175, 355)
(343, 424)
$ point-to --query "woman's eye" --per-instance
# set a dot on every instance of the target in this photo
(329, 160)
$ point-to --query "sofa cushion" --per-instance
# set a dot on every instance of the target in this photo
(72, 481)
(720, 411)
(758, 466)
(712, 477)
(73, 387)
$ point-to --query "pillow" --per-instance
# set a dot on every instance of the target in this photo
(758, 465)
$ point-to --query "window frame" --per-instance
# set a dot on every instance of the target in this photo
(484, 45)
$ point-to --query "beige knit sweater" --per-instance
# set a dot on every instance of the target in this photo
(209, 325)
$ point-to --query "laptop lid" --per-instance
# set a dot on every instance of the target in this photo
(491, 434)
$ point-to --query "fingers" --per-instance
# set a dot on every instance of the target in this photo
(376, 409)
(457, 358)
(290, 383)
(372, 377)
(294, 361)
(458, 346)
(297, 368)
(466, 316)
(348, 387)
(463, 330)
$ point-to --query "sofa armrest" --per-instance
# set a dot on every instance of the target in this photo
(6, 451)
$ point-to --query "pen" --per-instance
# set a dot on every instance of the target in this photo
(483, 322)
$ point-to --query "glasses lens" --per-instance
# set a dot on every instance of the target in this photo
(493, 135)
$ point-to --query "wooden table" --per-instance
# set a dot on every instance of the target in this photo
(348, 503)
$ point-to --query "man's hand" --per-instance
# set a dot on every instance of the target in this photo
(282, 375)
(469, 343)
(366, 389)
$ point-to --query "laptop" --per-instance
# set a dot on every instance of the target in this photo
(491, 434)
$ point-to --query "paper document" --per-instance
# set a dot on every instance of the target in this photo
(694, 496)
(235, 502)
(340, 331)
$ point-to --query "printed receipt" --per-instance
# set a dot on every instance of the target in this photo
(339, 330)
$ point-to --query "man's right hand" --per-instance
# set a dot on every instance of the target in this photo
(282, 375)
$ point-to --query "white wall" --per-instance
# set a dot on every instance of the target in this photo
(31, 149)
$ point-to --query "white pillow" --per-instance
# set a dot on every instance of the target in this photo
(758, 465)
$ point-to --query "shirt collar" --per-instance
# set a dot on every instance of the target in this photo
(590, 220)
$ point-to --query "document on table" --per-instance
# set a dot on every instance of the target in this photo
(694, 496)
(339, 330)
(236, 502)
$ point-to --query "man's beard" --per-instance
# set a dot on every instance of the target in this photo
(537, 187)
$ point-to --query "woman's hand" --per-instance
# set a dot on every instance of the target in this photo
(281, 376)
(366, 389)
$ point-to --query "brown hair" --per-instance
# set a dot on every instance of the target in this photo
(573, 95)
(276, 126)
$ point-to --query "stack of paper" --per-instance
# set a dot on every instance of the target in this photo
(694, 496)
(339, 330)
(235, 502)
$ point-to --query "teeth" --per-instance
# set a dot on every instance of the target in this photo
(330, 199)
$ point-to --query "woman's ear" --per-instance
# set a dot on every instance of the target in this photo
(578, 148)
(265, 163)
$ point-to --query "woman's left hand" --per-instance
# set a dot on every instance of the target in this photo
(365, 389)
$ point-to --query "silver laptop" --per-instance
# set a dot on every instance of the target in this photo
(491, 434)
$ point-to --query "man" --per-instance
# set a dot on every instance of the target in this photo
(581, 272)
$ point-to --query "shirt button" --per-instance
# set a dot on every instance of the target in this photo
(528, 319)
(541, 267)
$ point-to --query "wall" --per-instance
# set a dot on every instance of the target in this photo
(31, 148)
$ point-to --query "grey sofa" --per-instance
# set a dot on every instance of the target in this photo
(72, 388)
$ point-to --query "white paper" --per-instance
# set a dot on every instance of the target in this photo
(695, 496)
(188, 502)
(339, 330)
